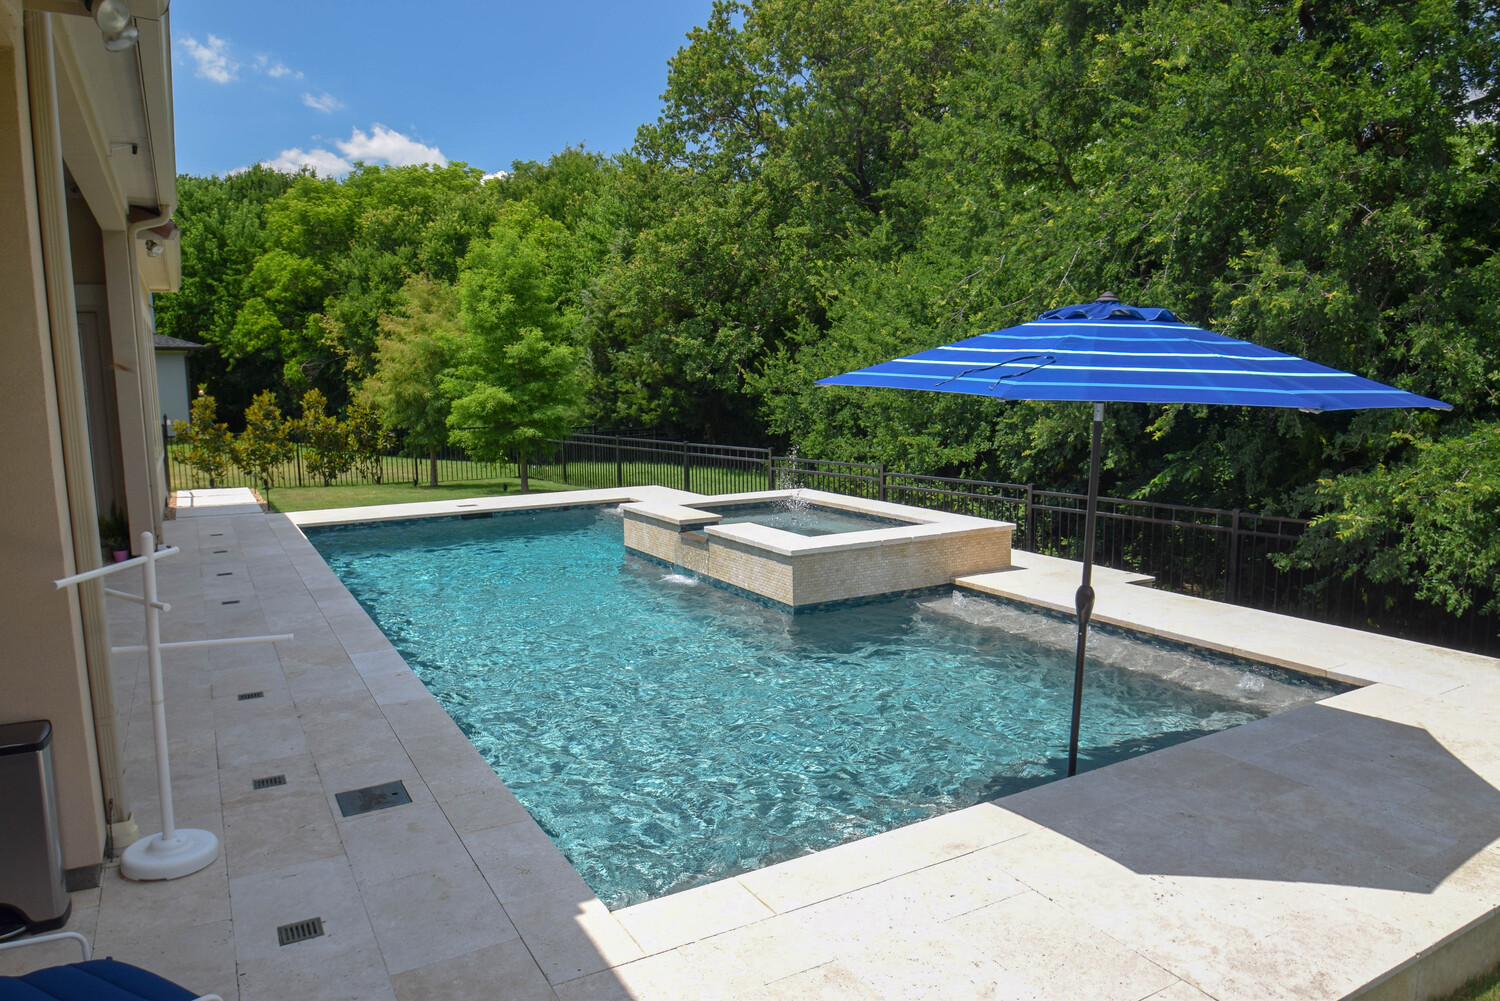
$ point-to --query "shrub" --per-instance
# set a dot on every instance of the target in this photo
(369, 440)
(327, 439)
(210, 446)
(264, 445)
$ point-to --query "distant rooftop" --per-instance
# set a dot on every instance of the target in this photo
(160, 341)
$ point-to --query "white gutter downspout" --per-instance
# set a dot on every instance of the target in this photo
(155, 33)
(145, 349)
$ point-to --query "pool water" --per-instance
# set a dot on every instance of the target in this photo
(666, 733)
(801, 519)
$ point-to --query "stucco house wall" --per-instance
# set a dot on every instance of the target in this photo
(79, 415)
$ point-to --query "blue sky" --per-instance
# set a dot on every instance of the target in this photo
(326, 82)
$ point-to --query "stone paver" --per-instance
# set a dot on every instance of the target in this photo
(1348, 846)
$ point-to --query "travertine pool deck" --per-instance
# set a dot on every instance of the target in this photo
(1350, 847)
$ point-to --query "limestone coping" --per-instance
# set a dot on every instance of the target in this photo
(918, 523)
(673, 515)
(480, 505)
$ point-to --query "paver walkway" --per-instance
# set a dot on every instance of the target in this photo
(1346, 846)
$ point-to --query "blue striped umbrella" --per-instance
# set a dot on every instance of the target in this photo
(1107, 352)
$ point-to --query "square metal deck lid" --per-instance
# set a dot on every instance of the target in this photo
(353, 802)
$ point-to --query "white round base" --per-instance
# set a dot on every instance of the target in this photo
(156, 858)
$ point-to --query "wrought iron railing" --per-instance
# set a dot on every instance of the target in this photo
(1224, 555)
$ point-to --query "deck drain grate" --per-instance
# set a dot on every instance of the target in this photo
(220, 552)
(231, 601)
(299, 931)
(223, 573)
(388, 794)
(269, 782)
(247, 696)
(215, 535)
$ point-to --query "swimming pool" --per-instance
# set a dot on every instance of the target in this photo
(666, 733)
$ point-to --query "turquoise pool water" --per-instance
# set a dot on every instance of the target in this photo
(666, 733)
(803, 519)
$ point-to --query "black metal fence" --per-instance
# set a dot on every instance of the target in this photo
(602, 461)
(1211, 553)
(452, 465)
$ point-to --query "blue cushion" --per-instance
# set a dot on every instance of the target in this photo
(97, 980)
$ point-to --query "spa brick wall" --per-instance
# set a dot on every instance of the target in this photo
(832, 575)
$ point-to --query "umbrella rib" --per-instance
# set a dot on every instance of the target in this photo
(1046, 360)
(1127, 385)
(1264, 354)
(1141, 368)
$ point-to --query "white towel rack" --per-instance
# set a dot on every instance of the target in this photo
(175, 851)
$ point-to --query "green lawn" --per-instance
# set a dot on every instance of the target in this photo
(463, 474)
(1481, 988)
(361, 495)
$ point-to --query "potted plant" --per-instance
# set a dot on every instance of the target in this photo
(114, 534)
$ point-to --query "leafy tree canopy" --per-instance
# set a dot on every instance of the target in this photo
(831, 185)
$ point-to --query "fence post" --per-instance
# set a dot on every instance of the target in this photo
(880, 483)
(770, 470)
(1232, 575)
(166, 451)
(619, 465)
(299, 465)
(562, 447)
(686, 482)
(1030, 514)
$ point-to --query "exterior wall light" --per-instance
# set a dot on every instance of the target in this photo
(115, 22)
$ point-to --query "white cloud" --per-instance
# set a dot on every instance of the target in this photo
(275, 70)
(380, 145)
(498, 175)
(391, 146)
(325, 103)
(326, 163)
(214, 61)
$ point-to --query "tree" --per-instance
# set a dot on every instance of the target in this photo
(831, 185)
(328, 452)
(419, 344)
(286, 275)
(264, 446)
(210, 446)
(518, 384)
(1429, 521)
(369, 441)
(223, 226)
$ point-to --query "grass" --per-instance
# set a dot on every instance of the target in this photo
(286, 499)
(1485, 987)
(463, 475)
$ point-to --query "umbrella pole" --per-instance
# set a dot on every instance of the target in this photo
(1083, 601)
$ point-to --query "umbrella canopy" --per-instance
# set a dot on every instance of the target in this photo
(1107, 352)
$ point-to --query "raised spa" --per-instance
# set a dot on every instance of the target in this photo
(802, 549)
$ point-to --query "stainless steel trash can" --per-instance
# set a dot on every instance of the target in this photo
(32, 889)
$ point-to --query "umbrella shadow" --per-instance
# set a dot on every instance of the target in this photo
(1315, 795)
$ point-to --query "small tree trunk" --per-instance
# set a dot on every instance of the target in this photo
(525, 483)
(432, 467)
